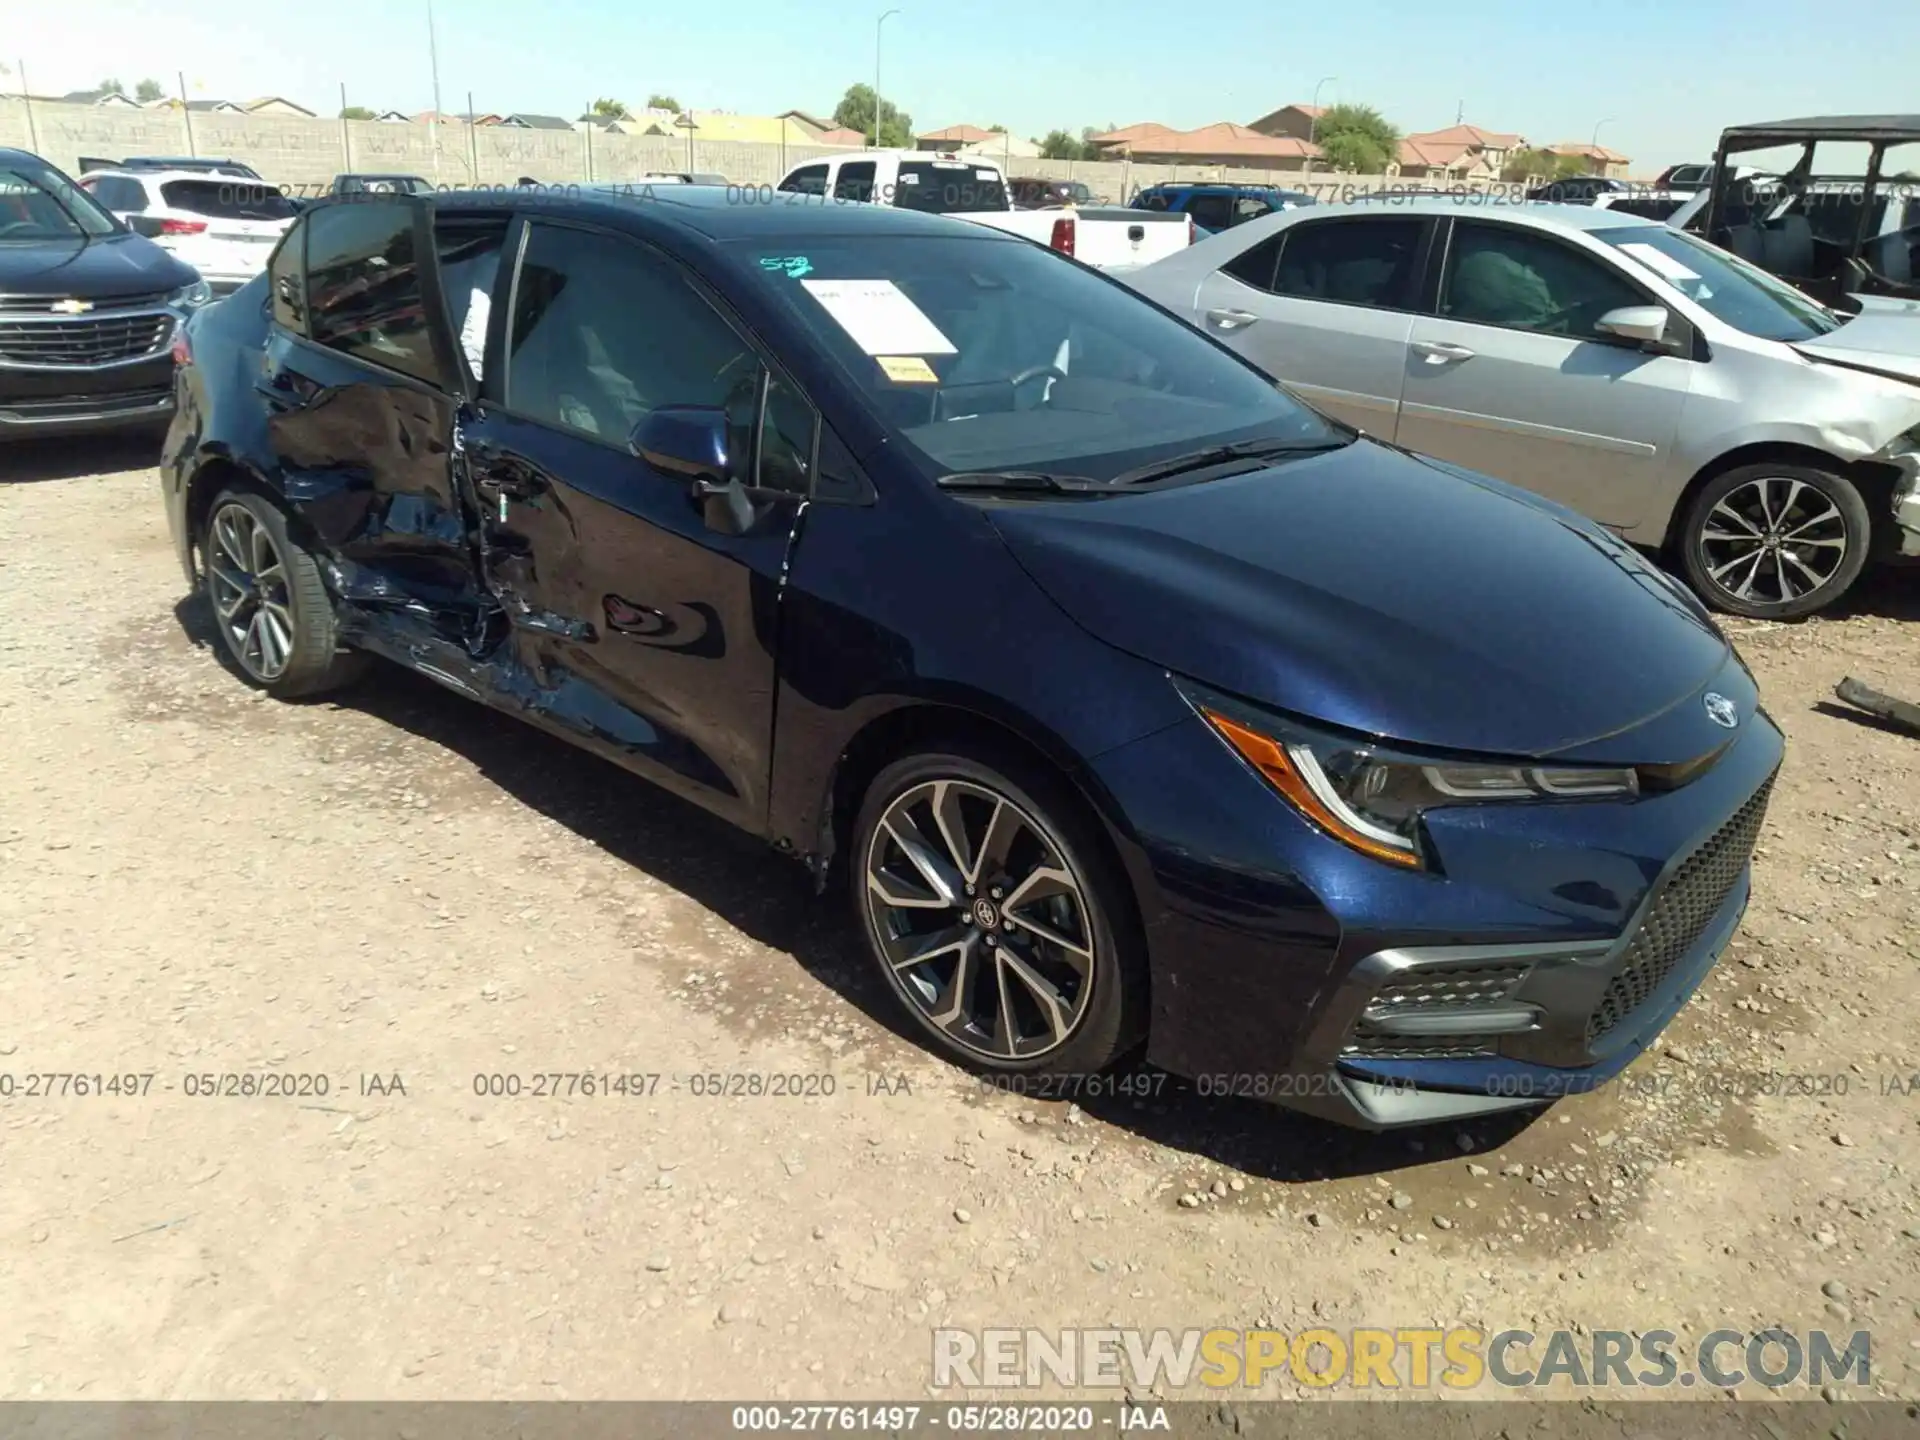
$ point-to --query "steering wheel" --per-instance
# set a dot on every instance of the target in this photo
(1036, 372)
(12, 225)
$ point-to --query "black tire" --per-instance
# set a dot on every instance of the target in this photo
(1803, 562)
(314, 660)
(1112, 1020)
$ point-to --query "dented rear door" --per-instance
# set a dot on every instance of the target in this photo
(362, 388)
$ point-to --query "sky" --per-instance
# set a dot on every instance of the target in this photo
(1658, 78)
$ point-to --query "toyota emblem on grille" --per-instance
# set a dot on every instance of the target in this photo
(71, 307)
(1722, 711)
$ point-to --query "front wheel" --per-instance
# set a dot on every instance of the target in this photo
(269, 602)
(1775, 541)
(995, 917)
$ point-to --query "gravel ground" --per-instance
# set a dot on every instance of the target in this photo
(400, 891)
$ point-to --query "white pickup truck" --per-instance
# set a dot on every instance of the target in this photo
(946, 184)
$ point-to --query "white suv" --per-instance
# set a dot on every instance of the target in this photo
(224, 225)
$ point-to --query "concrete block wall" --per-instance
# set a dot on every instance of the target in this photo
(305, 154)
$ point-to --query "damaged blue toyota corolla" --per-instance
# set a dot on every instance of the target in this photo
(1140, 708)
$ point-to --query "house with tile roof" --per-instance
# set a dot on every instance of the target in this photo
(1294, 120)
(1459, 152)
(1224, 143)
(1596, 159)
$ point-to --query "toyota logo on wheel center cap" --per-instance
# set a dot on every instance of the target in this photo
(1722, 711)
(983, 914)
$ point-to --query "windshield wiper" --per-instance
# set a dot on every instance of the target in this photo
(1223, 454)
(1023, 482)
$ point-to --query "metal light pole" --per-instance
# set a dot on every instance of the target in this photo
(877, 26)
(433, 58)
(1313, 120)
(1599, 163)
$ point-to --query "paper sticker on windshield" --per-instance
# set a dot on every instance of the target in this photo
(986, 174)
(879, 317)
(791, 266)
(907, 370)
(909, 177)
(1658, 261)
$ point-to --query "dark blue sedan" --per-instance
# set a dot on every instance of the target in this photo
(1136, 707)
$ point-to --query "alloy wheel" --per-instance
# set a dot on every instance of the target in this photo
(247, 582)
(1773, 540)
(983, 924)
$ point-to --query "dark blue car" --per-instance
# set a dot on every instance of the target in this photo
(1218, 206)
(1136, 707)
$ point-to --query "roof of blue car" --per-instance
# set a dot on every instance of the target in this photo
(721, 212)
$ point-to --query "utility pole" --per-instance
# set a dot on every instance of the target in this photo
(346, 137)
(26, 99)
(878, 25)
(433, 57)
(186, 111)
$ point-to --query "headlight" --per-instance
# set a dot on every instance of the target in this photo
(1372, 798)
(191, 297)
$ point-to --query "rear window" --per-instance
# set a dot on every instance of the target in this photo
(228, 199)
(949, 188)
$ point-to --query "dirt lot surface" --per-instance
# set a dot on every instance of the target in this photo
(401, 889)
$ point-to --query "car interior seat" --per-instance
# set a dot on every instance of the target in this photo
(1891, 256)
(1786, 245)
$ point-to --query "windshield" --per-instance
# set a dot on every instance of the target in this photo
(37, 202)
(1729, 289)
(995, 354)
(949, 188)
(228, 199)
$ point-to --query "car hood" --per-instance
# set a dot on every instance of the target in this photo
(102, 269)
(1384, 593)
(1883, 338)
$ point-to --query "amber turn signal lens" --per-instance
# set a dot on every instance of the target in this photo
(1270, 758)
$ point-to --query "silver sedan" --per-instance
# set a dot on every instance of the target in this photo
(1681, 397)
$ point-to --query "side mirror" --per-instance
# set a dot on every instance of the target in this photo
(694, 441)
(147, 225)
(1642, 324)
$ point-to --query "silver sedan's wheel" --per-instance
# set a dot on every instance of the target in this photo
(247, 582)
(982, 921)
(1776, 541)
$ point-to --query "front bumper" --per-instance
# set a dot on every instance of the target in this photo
(1556, 944)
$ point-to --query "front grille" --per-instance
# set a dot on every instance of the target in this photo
(1680, 914)
(69, 406)
(95, 340)
(1469, 984)
(43, 304)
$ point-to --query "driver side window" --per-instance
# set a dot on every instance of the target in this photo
(604, 330)
(1499, 275)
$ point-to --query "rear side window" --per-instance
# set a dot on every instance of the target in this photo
(287, 281)
(1212, 211)
(807, 180)
(227, 199)
(949, 189)
(119, 193)
(1256, 265)
(364, 296)
(1353, 262)
(855, 181)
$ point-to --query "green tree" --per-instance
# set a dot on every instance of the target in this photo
(663, 102)
(111, 87)
(356, 112)
(1356, 138)
(855, 112)
(1541, 165)
(148, 91)
(609, 110)
(996, 129)
(1061, 145)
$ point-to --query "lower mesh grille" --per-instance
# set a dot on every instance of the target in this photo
(1680, 914)
(1436, 989)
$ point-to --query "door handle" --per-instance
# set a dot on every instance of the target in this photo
(1440, 352)
(1230, 319)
